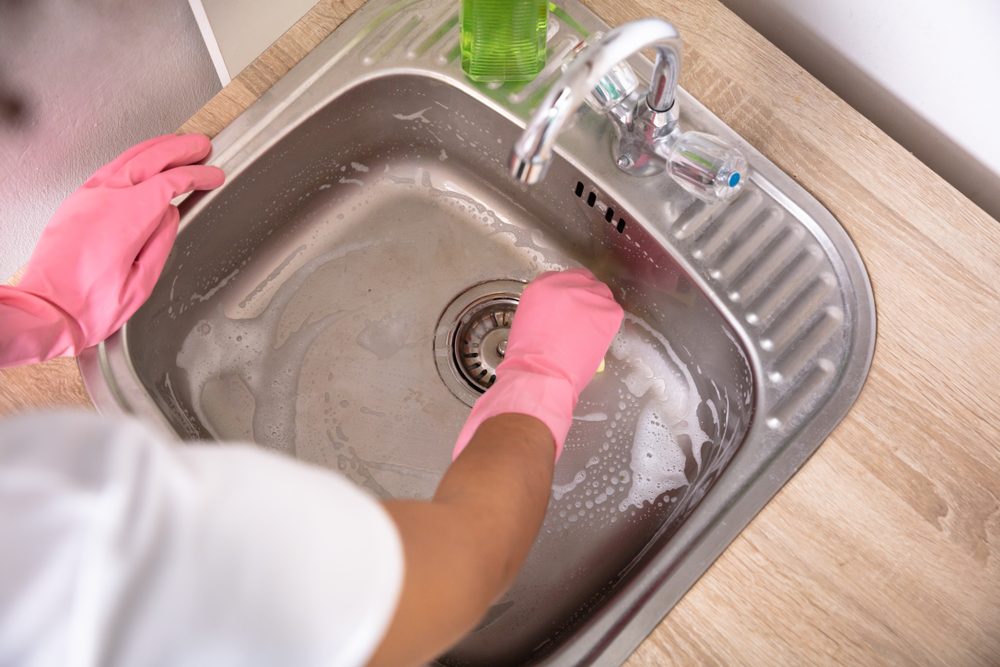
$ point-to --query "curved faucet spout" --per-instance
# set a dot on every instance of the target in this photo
(533, 150)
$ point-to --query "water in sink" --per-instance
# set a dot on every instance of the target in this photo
(645, 404)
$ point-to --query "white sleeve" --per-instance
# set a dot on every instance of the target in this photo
(120, 549)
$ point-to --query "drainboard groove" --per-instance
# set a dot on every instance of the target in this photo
(395, 39)
(807, 344)
(762, 231)
(767, 265)
(802, 392)
(793, 280)
(443, 51)
(717, 236)
(437, 27)
(701, 223)
(796, 312)
(378, 34)
(769, 244)
(692, 218)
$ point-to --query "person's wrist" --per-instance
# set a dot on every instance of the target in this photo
(539, 364)
(29, 300)
(34, 328)
(547, 398)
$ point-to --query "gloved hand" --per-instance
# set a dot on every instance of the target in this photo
(101, 254)
(562, 328)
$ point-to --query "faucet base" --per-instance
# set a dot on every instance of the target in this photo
(641, 136)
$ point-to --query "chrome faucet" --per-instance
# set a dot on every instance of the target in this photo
(648, 140)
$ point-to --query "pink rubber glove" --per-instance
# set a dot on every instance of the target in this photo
(99, 257)
(562, 328)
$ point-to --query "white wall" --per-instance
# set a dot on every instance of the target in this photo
(94, 78)
(237, 31)
(926, 72)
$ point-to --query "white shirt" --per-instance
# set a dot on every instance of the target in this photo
(119, 549)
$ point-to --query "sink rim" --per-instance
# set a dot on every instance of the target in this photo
(613, 631)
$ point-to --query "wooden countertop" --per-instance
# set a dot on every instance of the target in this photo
(885, 547)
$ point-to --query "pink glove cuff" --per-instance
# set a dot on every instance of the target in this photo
(33, 328)
(548, 399)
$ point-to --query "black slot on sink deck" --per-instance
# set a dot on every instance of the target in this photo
(609, 212)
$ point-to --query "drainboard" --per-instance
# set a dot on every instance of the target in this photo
(346, 295)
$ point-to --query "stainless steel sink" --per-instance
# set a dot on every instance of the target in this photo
(343, 296)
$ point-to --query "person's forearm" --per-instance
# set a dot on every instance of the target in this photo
(464, 547)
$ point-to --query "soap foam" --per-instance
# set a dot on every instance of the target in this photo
(652, 441)
(218, 346)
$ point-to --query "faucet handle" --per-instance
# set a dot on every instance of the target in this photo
(615, 87)
(705, 166)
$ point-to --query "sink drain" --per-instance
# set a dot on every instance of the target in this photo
(481, 341)
(471, 336)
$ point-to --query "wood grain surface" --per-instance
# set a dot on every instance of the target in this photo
(885, 547)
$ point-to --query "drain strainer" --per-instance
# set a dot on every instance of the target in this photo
(471, 336)
(481, 341)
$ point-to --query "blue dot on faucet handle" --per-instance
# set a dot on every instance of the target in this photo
(734, 179)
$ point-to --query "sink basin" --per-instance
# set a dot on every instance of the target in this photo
(343, 299)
